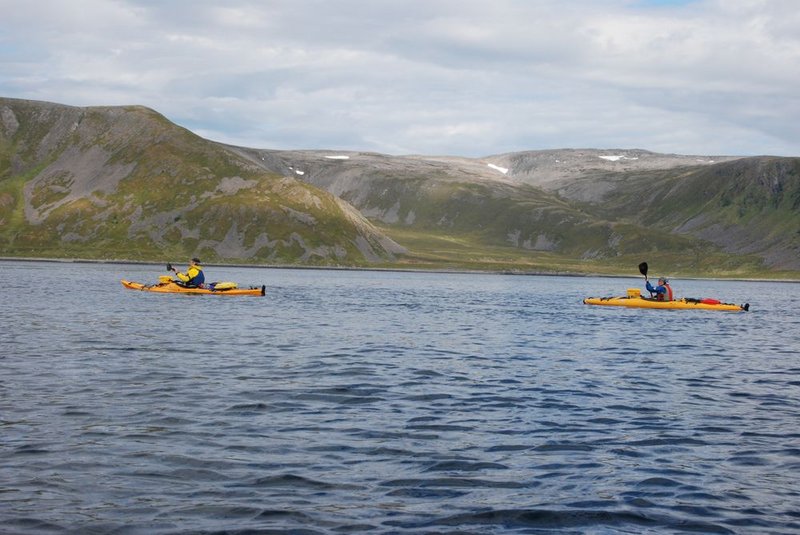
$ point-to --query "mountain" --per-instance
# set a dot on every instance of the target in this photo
(699, 214)
(750, 206)
(125, 183)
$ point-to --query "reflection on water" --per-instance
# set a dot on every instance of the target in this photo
(392, 402)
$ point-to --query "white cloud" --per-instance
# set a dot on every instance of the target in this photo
(435, 77)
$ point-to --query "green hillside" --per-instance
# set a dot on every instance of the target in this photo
(125, 183)
(749, 207)
(458, 213)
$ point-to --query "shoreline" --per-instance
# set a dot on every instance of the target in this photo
(386, 269)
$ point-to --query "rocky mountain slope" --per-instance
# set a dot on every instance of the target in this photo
(586, 204)
(126, 183)
(750, 206)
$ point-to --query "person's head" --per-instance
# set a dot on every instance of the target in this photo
(662, 280)
(195, 261)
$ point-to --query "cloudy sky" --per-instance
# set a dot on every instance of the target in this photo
(454, 77)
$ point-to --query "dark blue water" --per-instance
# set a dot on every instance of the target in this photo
(371, 402)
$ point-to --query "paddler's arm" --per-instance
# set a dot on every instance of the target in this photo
(657, 290)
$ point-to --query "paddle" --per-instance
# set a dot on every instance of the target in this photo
(170, 268)
(643, 269)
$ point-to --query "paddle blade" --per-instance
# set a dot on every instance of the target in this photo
(643, 268)
(169, 267)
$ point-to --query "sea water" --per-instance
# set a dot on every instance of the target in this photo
(392, 402)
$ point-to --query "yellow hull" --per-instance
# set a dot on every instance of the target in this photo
(679, 304)
(172, 288)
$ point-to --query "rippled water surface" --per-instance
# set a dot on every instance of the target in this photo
(358, 402)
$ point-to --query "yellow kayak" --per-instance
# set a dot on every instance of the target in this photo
(171, 287)
(635, 300)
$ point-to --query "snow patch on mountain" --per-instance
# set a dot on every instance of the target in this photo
(616, 158)
(503, 170)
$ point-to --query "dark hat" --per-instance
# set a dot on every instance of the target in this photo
(196, 260)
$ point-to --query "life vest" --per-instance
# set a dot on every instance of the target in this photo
(194, 276)
(666, 296)
(197, 276)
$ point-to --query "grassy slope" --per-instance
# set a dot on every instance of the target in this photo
(747, 206)
(171, 204)
(452, 212)
(478, 226)
(169, 199)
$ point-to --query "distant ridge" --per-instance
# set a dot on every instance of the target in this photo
(586, 203)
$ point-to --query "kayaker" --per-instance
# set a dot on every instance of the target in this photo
(663, 292)
(194, 274)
